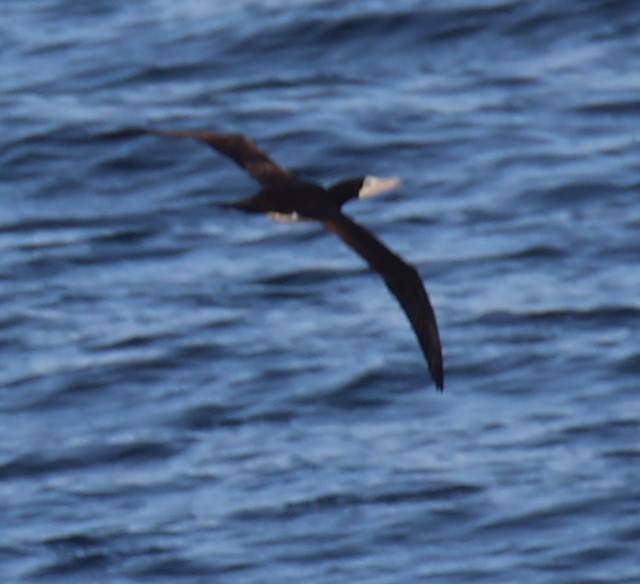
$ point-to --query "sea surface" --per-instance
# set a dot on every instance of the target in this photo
(189, 394)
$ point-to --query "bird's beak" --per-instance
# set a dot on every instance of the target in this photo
(373, 185)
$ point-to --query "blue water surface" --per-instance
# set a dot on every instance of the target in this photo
(188, 394)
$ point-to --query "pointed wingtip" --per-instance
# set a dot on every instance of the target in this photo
(438, 380)
(436, 368)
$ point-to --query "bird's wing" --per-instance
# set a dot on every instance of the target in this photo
(239, 149)
(403, 281)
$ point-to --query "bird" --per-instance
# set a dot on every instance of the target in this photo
(284, 197)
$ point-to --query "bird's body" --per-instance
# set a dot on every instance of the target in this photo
(294, 199)
(284, 197)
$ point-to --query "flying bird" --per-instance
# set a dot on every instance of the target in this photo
(282, 196)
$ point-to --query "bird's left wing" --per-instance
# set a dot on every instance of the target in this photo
(241, 150)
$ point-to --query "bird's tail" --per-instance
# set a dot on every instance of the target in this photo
(250, 205)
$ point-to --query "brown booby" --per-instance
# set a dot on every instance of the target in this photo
(284, 197)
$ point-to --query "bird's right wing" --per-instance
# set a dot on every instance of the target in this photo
(403, 281)
(239, 149)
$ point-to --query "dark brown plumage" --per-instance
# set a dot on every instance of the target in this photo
(284, 196)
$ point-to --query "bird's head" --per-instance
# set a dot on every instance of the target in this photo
(361, 187)
(374, 185)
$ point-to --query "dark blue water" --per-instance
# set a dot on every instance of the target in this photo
(192, 395)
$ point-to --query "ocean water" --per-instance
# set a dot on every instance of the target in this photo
(188, 394)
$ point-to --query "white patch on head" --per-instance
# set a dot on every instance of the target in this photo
(373, 185)
(284, 217)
